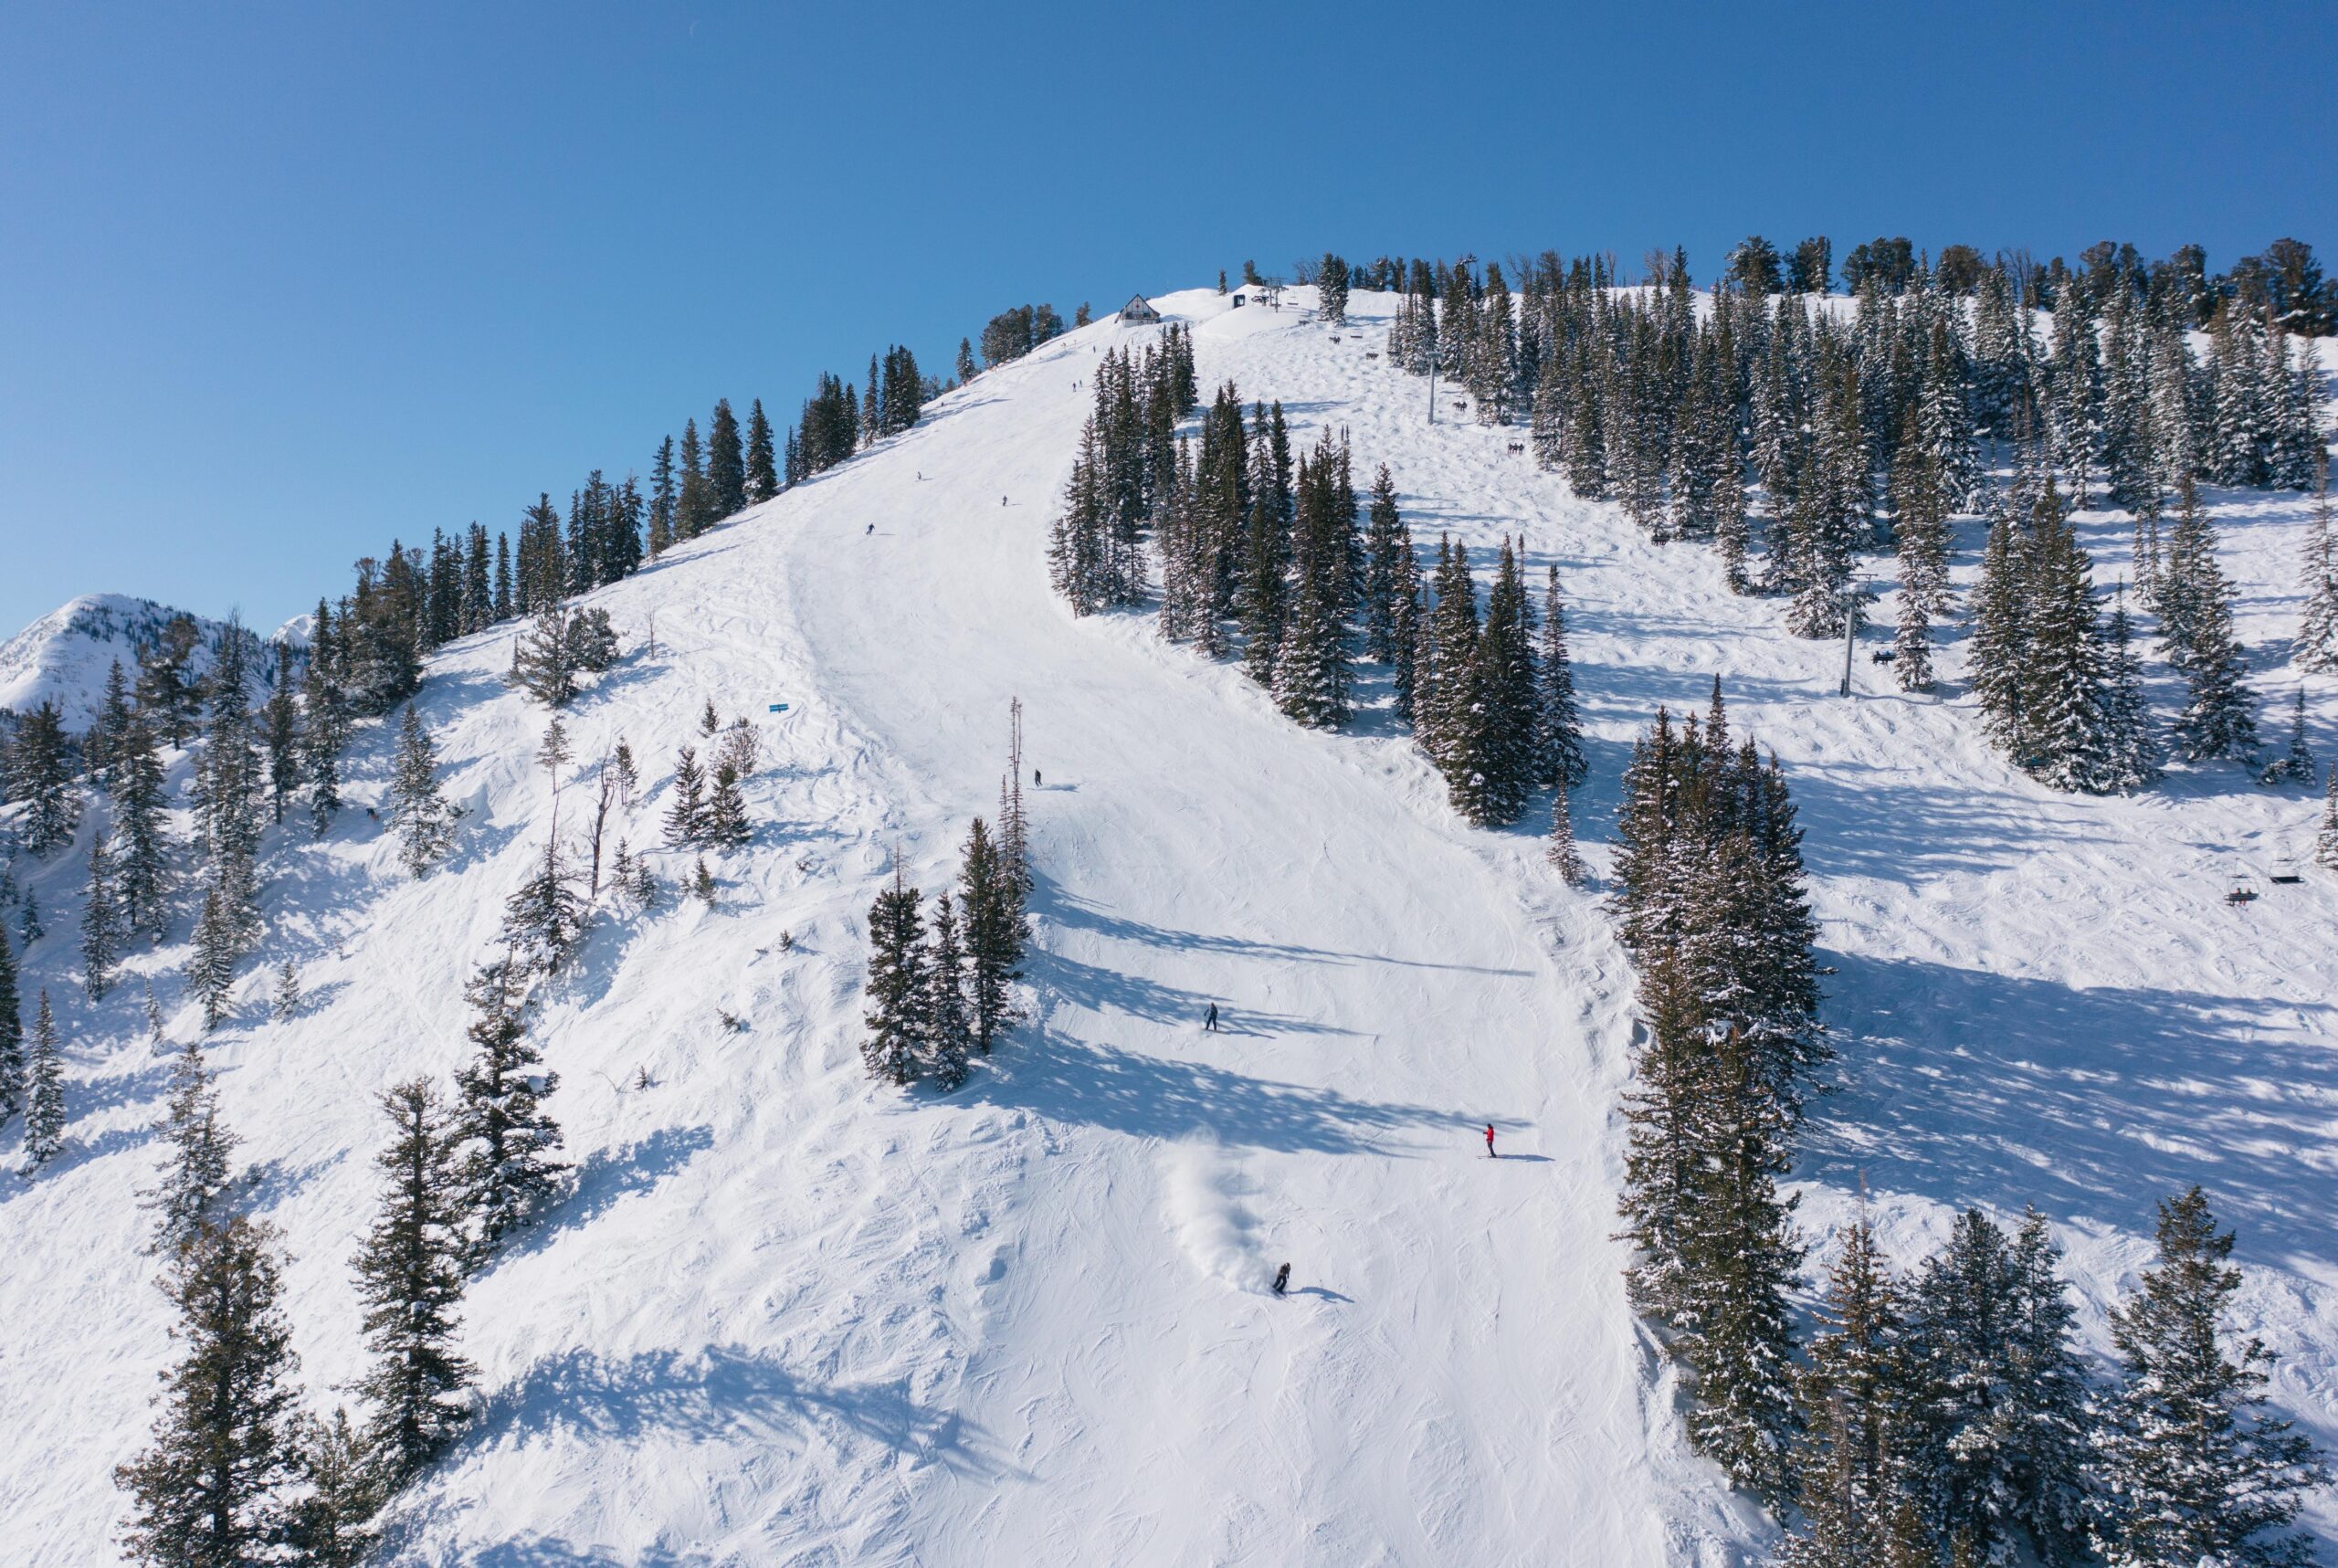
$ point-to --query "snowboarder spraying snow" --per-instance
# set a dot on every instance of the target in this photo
(1282, 1279)
(872, 528)
(1489, 1143)
(1209, 1020)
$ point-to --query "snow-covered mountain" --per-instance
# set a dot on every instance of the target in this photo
(789, 1316)
(63, 657)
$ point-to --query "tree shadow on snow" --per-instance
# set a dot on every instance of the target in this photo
(608, 1176)
(1154, 1097)
(1970, 1087)
(724, 1393)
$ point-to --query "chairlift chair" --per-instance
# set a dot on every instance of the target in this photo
(2244, 890)
(2285, 871)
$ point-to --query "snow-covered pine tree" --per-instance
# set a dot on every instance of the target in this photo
(11, 1031)
(419, 814)
(1385, 536)
(1509, 722)
(543, 919)
(2000, 611)
(197, 1171)
(1732, 538)
(949, 1035)
(2047, 1406)
(44, 1092)
(1854, 1400)
(2127, 760)
(1559, 715)
(1961, 1449)
(2317, 640)
(211, 959)
(544, 664)
(102, 930)
(287, 1003)
(686, 812)
(40, 781)
(1563, 855)
(2191, 1469)
(2196, 618)
(280, 726)
(140, 833)
(214, 1484)
(1920, 526)
(324, 721)
(2326, 855)
(2295, 765)
(993, 906)
(702, 882)
(30, 928)
(726, 809)
(896, 986)
(504, 1136)
(101, 745)
(329, 1523)
(2065, 737)
(410, 1280)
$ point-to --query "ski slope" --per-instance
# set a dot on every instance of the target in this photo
(791, 1317)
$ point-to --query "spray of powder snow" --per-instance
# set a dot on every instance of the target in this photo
(1205, 1209)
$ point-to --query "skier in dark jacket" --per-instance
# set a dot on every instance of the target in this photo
(1282, 1279)
(1209, 1020)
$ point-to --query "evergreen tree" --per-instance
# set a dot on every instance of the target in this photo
(993, 906)
(44, 1093)
(543, 661)
(1854, 1408)
(543, 919)
(12, 1034)
(39, 778)
(693, 502)
(100, 922)
(897, 984)
(2326, 855)
(965, 364)
(505, 1136)
(211, 1489)
(2195, 619)
(726, 465)
(140, 821)
(281, 719)
(1563, 855)
(330, 1522)
(663, 499)
(2317, 640)
(2193, 1470)
(410, 1280)
(2296, 763)
(686, 812)
(702, 883)
(211, 963)
(197, 1171)
(167, 688)
(726, 826)
(324, 710)
(423, 820)
(287, 992)
(948, 1032)
(2126, 761)
(101, 748)
(1559, 716)
(762, 461)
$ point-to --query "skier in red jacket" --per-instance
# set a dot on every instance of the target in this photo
(1489, 1143)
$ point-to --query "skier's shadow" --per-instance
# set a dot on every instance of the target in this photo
(1318, 1290)
(1526, 1159)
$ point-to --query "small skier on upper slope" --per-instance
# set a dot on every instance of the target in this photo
(1489, 1143)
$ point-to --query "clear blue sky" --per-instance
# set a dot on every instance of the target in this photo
(278, 283)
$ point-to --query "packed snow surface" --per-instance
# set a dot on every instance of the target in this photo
(789, 1316)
